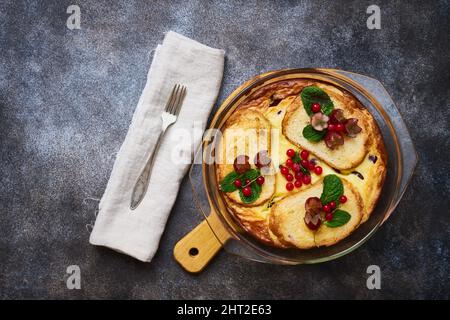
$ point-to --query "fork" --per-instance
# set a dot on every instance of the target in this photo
(168, 117)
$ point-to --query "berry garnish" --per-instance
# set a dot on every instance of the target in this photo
(343, 199)
(290, 153)
(312, 220)
(289, 186)
(351, 127)
(298, 183)
(332, 205)
(311, 165)
(260, 180)
(284, 171)
(289, 162)
(337, 116)
(247, 181)
(296, 167)
(247, 191)
(238, 183)
(241, 164)
(305, 163)
(306, 179)
(326, 208)
(318, 170)
(340, 127)
(331, 127)
(329, 216)
(289, 177)
(262, 159)
(315, 107)
(304, 154)
(333, 139)
(299, 175)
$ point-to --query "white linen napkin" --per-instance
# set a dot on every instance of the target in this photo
(137, 232)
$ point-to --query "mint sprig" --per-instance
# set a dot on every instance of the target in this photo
(332, 189)
(313, 135)
(340, 217)
(227, 184)
(313, 94)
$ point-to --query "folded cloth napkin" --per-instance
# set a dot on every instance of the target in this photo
(137, 232)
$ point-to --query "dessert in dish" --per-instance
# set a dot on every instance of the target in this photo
(300, 164)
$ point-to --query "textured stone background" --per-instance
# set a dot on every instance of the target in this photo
(67, 97)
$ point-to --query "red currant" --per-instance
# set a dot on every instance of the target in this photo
(296, 167)
(332, 205)
(305, 163)
(247, 181)
(289, 186)
(247, 191)
(311, 165)
(290, 153)
(298, 183)
(340, 127)
(260, 180)
(318, 170)
(343, 199)
(329, 216)
(289, 177)
(306, 179)
(304, 154)
(331, 127)
(289, 162)
(238, 183)
(299, 175)
(284, 171)
(315, 107)
(326, 208)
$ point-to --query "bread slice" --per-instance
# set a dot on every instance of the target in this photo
(246, 132)
(346, 156)
(286, 218)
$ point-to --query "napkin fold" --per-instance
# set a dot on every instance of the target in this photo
(137, 232)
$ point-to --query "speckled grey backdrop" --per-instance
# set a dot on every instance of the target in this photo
(67, 97)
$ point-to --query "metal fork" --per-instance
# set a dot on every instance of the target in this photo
(169, 117)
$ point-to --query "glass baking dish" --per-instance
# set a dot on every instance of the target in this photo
(221, 230)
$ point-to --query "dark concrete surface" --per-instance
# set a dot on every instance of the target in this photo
(67, 98)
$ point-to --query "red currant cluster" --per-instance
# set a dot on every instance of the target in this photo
(329, 207)
(246, 190)
(336, 125)
(241, 165)
(315, 209)
(301, 176)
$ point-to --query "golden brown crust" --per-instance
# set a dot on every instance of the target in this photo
(258, 222)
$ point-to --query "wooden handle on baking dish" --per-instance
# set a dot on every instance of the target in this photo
(196, 249)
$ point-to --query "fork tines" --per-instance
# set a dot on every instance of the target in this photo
(173, 106)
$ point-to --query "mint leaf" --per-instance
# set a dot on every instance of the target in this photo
(332, 189)
(312, 134)
(251, 174)
(227, 184)
(314, 94)
(340, 217)
(256, 192)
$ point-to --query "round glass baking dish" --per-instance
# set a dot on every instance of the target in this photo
(402, 159)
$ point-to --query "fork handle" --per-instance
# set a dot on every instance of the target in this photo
(141, 186)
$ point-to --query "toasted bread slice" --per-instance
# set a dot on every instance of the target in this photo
(246, 132)
(346, 156)
(286, 218)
